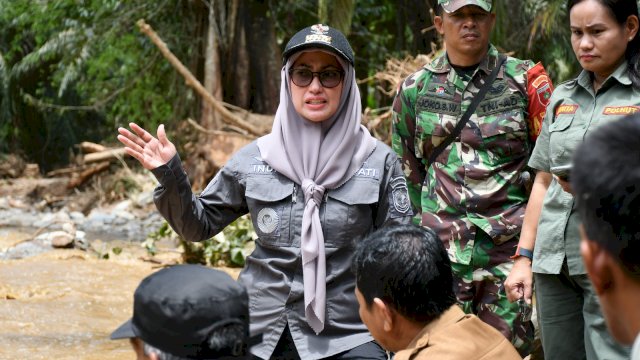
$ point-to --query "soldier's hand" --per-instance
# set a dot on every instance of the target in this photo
(519, 282)
(566, 185)
(151, 152)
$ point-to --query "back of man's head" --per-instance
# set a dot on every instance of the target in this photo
(606, 185)
(408, 268)
(190, 311)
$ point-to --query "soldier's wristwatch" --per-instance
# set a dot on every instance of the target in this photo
(520, 251)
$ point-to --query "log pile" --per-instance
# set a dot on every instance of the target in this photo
(93, 159)
(378, 121)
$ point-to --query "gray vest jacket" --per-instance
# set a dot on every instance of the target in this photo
(376, 195)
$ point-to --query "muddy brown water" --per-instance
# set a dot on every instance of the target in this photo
(63, 304)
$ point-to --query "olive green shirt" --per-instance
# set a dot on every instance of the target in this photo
(575, 109)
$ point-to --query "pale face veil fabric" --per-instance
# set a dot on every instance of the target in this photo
(317, 156)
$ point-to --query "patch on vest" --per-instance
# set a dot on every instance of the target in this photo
(400, 194)
(268, 220)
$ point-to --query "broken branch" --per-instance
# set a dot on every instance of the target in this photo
(192, 82)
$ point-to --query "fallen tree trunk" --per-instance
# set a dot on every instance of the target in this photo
(107, 154)
(191, 81)
(87, 174)
(88, 147)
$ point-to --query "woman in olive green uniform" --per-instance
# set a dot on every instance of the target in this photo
(604, 37)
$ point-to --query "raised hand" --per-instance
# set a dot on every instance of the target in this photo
(150, 151)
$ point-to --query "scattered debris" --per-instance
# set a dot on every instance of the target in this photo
(378, 121)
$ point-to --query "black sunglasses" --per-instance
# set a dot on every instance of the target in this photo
(328, 78)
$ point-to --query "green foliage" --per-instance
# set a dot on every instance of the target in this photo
(164, 232)
(549, 38)
(104, 251)
(338, 13)
(376, 35)
(75, 70)
(71, 64)
(228, 248)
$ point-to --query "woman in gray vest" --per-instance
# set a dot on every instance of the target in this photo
(314, 185)
(605, 39)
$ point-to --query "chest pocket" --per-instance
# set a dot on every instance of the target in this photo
(432, 112)
(269, 202)
(349, 211)
(503, 126)
(563, 139)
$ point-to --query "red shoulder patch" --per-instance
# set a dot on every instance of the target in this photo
(539, 89)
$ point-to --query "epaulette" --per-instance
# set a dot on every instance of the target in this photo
(569, 84)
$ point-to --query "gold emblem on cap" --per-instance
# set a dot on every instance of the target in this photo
(319, 29)
(318, 34)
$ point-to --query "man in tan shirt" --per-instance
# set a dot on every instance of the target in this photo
(404, 288)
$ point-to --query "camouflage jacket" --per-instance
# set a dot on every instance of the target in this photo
(479, 180)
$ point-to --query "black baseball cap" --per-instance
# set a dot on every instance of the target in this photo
(320, 36)
(177, 308)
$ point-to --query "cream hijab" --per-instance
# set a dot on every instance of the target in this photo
(317, 156)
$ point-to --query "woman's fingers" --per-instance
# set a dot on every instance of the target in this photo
(126, 141)
(162, 136)
(151, 152)
(143, 134)
(132, 138)
(138, 156)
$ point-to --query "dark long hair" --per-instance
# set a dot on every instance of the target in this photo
(621, 10)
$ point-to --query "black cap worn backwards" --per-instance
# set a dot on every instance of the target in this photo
(319, 36)
(176, 309)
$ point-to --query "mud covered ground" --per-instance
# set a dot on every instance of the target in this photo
(64, 303)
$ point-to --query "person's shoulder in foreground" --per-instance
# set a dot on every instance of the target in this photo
(188, 312)
(456, 335)
(404, 287)
(606, 184)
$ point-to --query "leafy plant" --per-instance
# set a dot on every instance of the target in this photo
(230, 247)
(164, 232)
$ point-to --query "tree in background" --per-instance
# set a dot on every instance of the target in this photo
(75, 70)
(537, 30)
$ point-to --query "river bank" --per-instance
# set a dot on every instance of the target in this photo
(62, 303)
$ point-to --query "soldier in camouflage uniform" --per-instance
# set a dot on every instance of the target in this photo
(475, 192)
